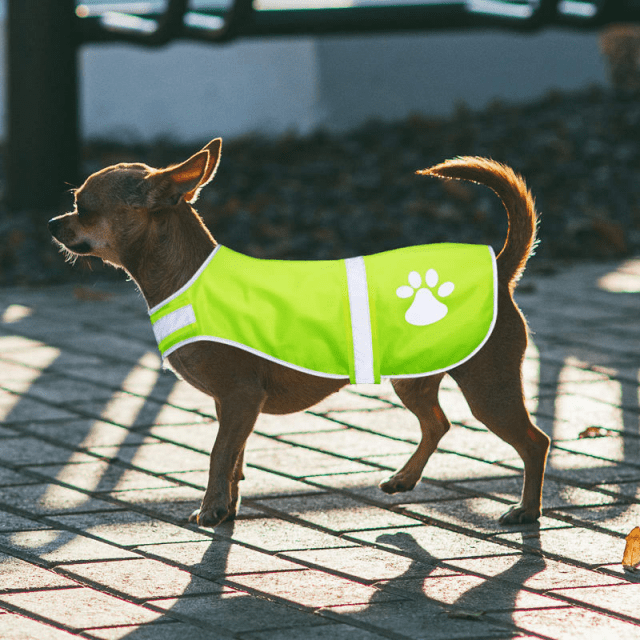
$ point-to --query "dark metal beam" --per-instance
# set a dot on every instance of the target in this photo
(42, 117)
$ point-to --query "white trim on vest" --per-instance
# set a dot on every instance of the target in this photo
(360, 320)
(178, 319)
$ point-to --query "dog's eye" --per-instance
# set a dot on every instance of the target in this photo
(82, 212)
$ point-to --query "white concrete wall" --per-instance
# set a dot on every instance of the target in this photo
(431, 73)
(193, 91)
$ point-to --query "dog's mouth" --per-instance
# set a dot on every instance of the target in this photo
(82, 248)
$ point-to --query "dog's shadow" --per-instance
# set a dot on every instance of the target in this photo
(455, 593)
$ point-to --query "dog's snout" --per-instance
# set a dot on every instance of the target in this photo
(54, 226)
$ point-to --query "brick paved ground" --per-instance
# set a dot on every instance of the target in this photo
(102, 456)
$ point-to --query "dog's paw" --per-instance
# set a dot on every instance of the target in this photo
(397, 483)
(518, 514)
(211, 517)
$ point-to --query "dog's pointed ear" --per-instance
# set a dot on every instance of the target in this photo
(187, 176)
(213, 148)
(166, 187)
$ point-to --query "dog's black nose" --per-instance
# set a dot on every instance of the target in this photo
(54, 226)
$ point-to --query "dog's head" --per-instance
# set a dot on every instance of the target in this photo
(119, 206)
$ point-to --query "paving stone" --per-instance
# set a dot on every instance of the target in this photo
(16, 347)
(84, 609)
(584, 470)
(621, 599)
(19, 575)
(218, 558)
(13, 372)
(177, 502)
(311, 588)
(86, 433)
(303, 422)
(581, 545)
(395, 422)
(365, 485)
(164, 628)
(449, 466)
(569, 623)
(263, 484)
(57, 546)
(274, 534)
(533, 571)
(199, 435)
(16, 410)
(474, 593)
(325, 632)
(337, 512)
(477, 444)
(12, 522)
(618, 571)
(129, 410)
(17, 627)
(101, 476)
(479, 514)
(620, 448)
(158, 457)
(59, 389)
(627, 489)
(352, 443)
(555, 494)
(430, 543)
(52, 498)
(237, 612)
(9, 478)
(31, 451)
(128, 528)
(142, 579)
(620, 518)
(364, 563)
(414, 618)
(300, 462)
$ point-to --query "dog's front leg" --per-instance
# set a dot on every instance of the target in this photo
(237, 415)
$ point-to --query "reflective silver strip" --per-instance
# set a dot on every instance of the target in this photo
(165, 326)
(360, 320)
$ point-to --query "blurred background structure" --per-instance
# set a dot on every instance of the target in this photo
(184, 71)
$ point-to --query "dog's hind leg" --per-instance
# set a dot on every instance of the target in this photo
(238, 475)
(492, 386)
(420, 396)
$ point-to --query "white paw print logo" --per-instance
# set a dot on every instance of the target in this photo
(425, 308)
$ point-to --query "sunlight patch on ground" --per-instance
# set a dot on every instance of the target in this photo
(15, 312)
(144, 375)
(625, 279)
(17, 350)
(586, 399)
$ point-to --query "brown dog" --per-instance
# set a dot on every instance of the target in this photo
(141, 219)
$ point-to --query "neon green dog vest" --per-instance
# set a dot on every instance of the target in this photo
(401, 313)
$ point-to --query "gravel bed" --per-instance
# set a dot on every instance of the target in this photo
(330, 195)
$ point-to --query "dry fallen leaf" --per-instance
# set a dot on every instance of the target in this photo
(91, 295)
(593, 432)
(631, 557)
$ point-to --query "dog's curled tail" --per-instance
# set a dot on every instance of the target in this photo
(517, 200)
